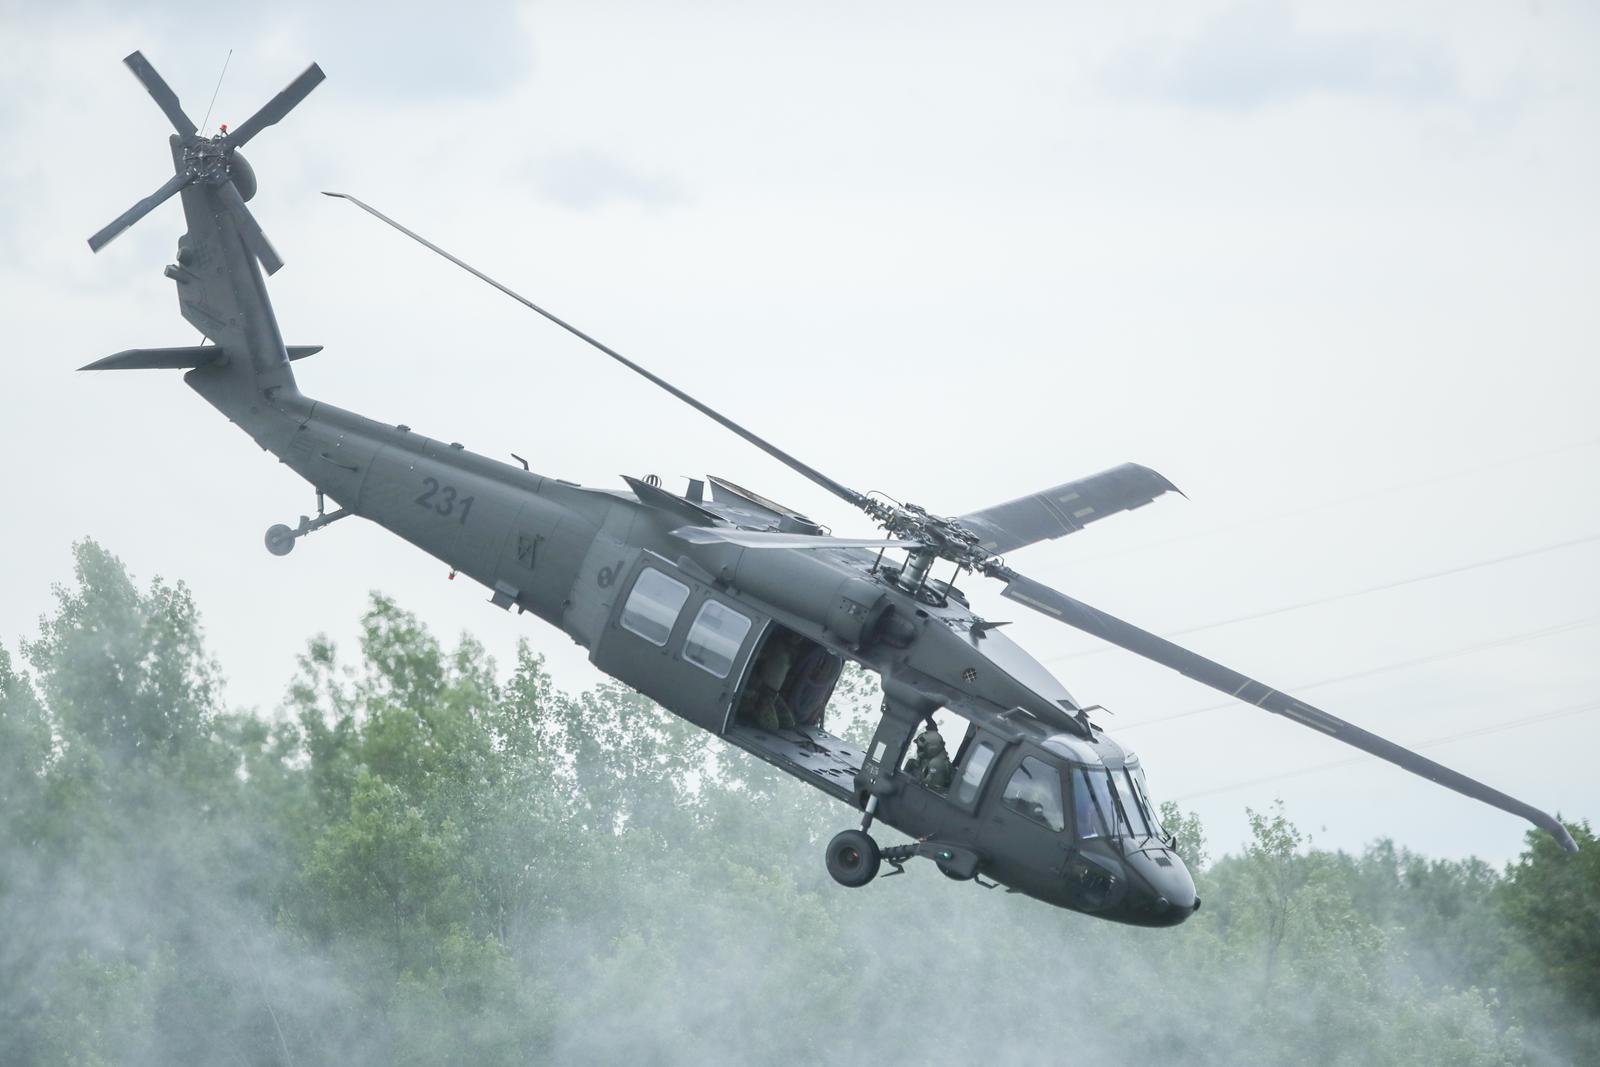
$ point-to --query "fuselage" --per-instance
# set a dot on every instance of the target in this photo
(577, 557)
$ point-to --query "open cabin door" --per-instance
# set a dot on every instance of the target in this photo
(679, 642)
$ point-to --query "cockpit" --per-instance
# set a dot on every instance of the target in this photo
(1122, 862)
(1104, 801)
(1063, 817)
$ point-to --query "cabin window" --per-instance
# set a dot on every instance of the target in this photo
(1035, 793)
(714, 639)
(977, 765)
(653, 606)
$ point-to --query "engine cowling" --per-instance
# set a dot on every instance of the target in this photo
(850, 607)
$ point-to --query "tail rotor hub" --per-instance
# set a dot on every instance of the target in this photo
(207, 159)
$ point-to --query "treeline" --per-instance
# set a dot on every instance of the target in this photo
(422, 859)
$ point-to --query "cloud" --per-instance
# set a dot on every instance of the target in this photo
(405, 50)
(1257, 55)
(586, 179)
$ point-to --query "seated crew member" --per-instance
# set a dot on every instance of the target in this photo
(1030, 800)
(763, 703)
(811, 682)
(931, 766)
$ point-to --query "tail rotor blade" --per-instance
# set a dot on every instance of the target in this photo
(276, 108)
(137, 211)
(161, 92)
(249, 230)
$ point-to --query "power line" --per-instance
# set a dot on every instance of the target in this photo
(1461, 650)
(1365, 591)
(1577, 709)
(1323, 505)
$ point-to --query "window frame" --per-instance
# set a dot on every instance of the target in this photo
(958, 794)
(733, 656)
(1051, 772)
(649, 573)
(1086, 805)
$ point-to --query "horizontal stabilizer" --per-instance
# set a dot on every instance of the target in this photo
(184, 358)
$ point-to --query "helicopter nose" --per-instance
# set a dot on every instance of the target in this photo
(1168, 897)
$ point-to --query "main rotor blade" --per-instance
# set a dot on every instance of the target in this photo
(250, 230)
(1242, 687)
(836, 488)
(719, 535)
(161, 92)
(276, 108)
(137, 211)
(1067, 508)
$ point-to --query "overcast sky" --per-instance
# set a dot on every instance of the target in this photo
(1330, 268)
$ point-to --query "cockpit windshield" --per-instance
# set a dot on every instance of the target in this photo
(1112, 802)
(1142, 790)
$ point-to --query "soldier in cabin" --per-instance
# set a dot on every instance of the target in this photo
(931, 765)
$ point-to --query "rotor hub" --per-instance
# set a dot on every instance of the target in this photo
(944, 538)
(208, 159)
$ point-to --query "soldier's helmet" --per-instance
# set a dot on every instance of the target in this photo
(933, 741)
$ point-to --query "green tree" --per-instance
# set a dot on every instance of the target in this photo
(126, 673)
(1552, 899)
(421, 860)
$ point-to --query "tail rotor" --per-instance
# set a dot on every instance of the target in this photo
(211, 161)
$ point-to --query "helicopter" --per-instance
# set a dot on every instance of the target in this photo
(735, 612)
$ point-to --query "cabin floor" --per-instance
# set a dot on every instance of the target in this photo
(809, 753)
(781, 710)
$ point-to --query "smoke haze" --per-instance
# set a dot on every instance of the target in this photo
(422, 858)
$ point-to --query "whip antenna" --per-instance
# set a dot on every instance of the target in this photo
(218, 89)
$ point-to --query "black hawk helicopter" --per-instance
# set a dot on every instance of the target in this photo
(735, 612)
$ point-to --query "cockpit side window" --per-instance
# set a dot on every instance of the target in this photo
(1035, 793)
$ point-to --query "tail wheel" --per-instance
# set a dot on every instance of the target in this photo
(853, 858)
(280, 540)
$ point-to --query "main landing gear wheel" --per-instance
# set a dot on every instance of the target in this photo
(853, 858)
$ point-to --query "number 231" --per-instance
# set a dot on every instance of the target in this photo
(446, 504)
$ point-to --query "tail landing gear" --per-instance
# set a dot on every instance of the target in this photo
(280, 539)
